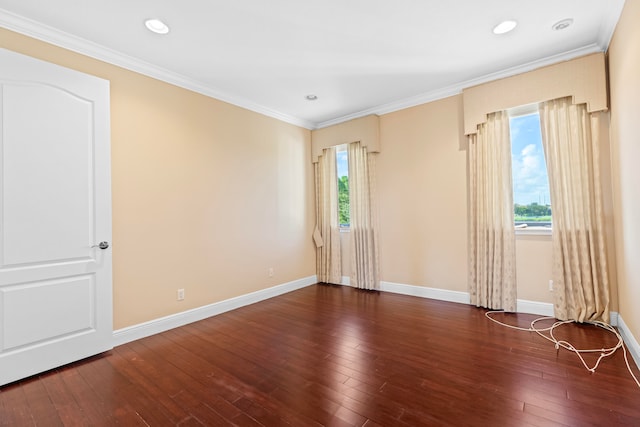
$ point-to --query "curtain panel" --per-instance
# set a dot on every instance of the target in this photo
(492, 268)
(580, 273)
(328, 258)
(364, 218)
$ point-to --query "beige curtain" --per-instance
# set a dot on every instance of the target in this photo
(570, 136)
(328, 259)
(492, 272)
(363, 214)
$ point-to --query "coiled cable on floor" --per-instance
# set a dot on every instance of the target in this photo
(604, 352)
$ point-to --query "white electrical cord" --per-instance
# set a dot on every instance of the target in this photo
(604, 352)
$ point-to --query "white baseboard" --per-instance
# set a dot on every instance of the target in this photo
(424, 292)
(534, 307)
(614, 318)
(629, 340)
(523, 306)
(142, 330)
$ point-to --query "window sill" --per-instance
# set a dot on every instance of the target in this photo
(534, 231)
(344, 229)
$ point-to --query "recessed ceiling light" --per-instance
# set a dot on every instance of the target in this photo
(311, 97)
(561, 25)
(504, 27)
(157, 26)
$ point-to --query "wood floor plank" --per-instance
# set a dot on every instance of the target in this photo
(40, 404)
(151, 403)
(229, 385)
(90, 402)
(120, 395)
(15, 408)
(63, 399)
(333, 355)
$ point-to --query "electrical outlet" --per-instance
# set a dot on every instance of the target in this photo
(180, 294)
(550, 285)
(270, 272)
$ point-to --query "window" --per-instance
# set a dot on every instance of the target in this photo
(531, 197)
(342, 159)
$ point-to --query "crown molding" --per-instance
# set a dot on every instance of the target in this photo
(609, 24)
(85, 47)
(457, 88)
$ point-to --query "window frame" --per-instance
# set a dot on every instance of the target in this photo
(526, 229)
(343, 148)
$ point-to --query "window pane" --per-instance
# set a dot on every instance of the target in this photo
(343, 187)
(532, 202)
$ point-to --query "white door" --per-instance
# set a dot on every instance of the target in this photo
(55, 205)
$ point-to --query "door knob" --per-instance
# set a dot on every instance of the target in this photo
(101, 245)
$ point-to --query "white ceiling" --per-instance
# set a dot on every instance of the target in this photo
(358, 56)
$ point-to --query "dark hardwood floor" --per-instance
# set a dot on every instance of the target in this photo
(331, 355)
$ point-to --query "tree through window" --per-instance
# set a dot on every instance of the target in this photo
(342, 158)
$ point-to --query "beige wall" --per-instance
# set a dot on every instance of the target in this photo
(206, 196)
(624, 79)
(423, 197)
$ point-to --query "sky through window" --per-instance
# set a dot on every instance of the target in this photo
(530, 182)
